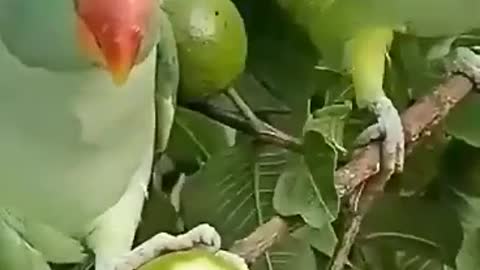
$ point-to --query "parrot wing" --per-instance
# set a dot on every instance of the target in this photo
(167, 80)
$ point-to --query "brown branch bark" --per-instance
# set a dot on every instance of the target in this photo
(418, 121)
(258, 242)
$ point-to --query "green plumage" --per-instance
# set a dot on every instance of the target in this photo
(76, 149)
(333, 25)
(51, 42)
(339, 19)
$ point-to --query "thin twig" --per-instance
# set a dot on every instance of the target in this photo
(358, 204)
(266, 133)
(245, 110)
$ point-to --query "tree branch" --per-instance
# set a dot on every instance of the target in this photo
(418, 121)
(259, 241)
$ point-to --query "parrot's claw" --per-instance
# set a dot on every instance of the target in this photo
(203, 234)
(371, 133)
(390, 129)
(466, 62)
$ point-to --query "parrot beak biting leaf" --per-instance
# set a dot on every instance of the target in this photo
(111, 33)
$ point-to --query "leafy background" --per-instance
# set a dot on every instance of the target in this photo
(429, 216)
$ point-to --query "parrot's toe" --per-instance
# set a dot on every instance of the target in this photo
(145, 252)
(466, 62)
(203, 234)
(390, 129)
(371, 133)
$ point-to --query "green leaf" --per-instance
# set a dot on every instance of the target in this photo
(428, 229)
(468, 258)
(382, 256)
(421, 167)
(257, 96)
(195, 138)
(157, 205)
(323, 240)
(306, 187)
(411, 74)
(462, 121)
(460, 170)
(275, 46)
(467, 207)
(297, 194)
(330, 122)
(459, 179)
(321, 159)
(234, 190)
(288, 254)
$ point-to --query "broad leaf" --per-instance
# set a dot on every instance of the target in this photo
(306, 187)
(234, 192)
(323, 240)
(468, 258)
(280, 55)
(330, 122)
(288, 254)
(462, 121)
(195, 138)
(415, 226)
(157, 205)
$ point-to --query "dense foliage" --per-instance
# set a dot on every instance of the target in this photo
(428, 217)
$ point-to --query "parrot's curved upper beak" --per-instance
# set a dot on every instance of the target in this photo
(120, 55)
(112, 31)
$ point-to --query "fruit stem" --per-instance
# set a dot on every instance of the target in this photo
(259, 126)
(245, 110)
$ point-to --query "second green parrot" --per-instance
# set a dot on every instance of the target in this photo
(356, 35)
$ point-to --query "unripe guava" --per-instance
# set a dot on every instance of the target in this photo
(195, 259)
(211, 42)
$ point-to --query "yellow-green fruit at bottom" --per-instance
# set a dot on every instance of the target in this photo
(211, 42)
(195, 259)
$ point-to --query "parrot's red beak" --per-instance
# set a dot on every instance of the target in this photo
(120, 55)
(111, 33)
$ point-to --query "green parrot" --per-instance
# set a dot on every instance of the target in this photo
(78, 84)
(356, 35)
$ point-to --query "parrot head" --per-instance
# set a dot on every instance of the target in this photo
(112, 33)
